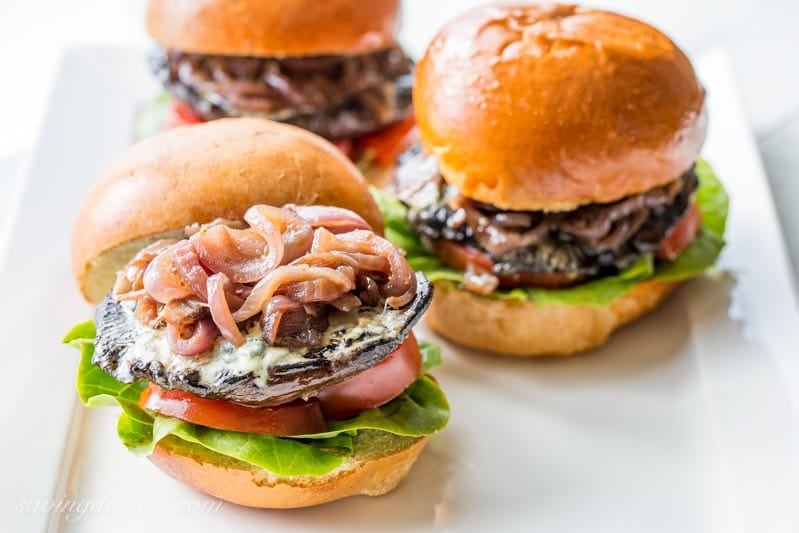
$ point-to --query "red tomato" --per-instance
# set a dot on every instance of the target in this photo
(295, 418)
(387, 144)
(371, 388)
(681, 234)
(460, 256)
(180, 114)
(374, 387)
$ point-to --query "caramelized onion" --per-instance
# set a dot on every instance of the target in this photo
(124, 281)
(220, 310)
(242, 255)
(280, 277)
(401, 284)
(274, 310)
(162, 281)
(371, 263)
(148, 253)
(292, 324)
(347, 271)
(130, 277)
(401, 287)
(187, 264)
(274, 223)
(132, 295)
(346, 303)
(146, 310)
(236, 294)
(181, 312)
(325, 241)
(200, 340)
(368, 291)
(327, 259)
(334, 219)
(316, 290)
(191, 229)
(294, 265)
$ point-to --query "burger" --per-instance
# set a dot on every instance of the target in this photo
(251, 322)
(333, 68)
(557, 192)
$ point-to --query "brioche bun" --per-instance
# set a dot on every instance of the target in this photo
(522, 328)
(549, 107)
(275, 28)
(243, 484)
(197, 174)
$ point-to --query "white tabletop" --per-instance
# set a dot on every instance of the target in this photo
(759, 34)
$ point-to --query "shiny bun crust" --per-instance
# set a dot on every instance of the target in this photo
(273, 28)
(522, 328)
(203, 172)
(548, 107)
(252, 487)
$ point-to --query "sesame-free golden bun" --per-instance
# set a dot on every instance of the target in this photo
(199, 173)
(274, 28)
(373, 475)
(526, 329)
(549, 107)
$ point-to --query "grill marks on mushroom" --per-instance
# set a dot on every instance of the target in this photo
(591, 240)
(263, 312)
(255, 373)
(334, 96)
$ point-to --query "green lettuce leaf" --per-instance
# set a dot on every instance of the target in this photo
(431, 355)
(150, 116)
(95, 387)
(713, 204)
(82, 333)
(421, 410)
(711, 199)
(285, 457)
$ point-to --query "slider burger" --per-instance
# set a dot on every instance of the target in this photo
(252, 323)
(333, 67)
(557, 192)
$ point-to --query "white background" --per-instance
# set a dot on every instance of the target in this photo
(761, 36)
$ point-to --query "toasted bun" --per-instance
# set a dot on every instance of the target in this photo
(547, 107)
(273, 27)
(200, 173)
(522, 328)
(240, 484)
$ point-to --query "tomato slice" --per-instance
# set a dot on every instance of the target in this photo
(388, 143)
(460, 256)
(295, 418)
(371, 388)
(681, 235)
(180, 114)
(374, 387)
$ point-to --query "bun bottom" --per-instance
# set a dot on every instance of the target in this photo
(243, 484)
(522, 328)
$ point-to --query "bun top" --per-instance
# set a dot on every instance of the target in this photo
(548, 107)
(199, 173)
(273, 27)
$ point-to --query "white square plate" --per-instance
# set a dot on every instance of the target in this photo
(686, 421)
